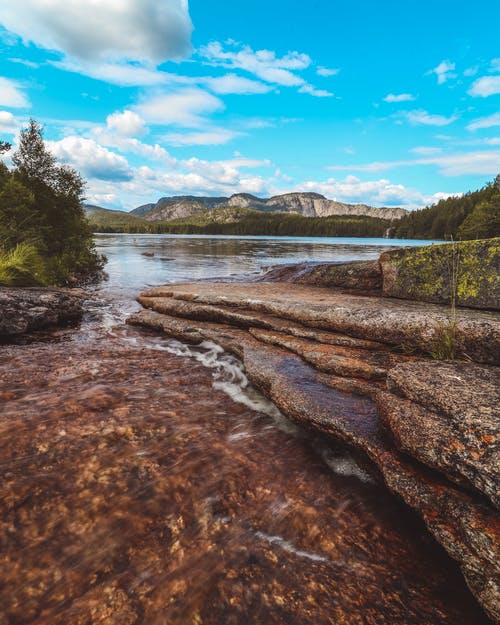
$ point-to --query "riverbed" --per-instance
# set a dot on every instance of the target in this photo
(146, 482)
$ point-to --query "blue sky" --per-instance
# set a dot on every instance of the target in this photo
(383, 102)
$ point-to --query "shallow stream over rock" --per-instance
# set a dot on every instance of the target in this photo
(145, 482)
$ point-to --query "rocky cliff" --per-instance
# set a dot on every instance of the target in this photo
(307, 204)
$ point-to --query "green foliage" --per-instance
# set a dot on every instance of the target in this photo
(243, 221)
(471, 216)
(40, 205)
(445, 342)
(22, 266)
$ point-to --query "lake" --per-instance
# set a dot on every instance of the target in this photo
(191, 257)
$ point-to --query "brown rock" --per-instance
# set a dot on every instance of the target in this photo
(448, 416)
(26, 309)
(468, 529)
(416, 325)
(358, 275)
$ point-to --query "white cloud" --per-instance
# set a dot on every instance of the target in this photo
(485, 86)
(8, 123)
(444, 71)
(424, 150)
(121, 74)
(231, 83)
(482, 163)
(400, 97)
(372, 192)
(326, 71)
(420, 116)
(214, 136)
(264, 64)
(317, 93)
(149, 30)
(90, 158)
(11, 94)
(485, 122)
(126, 124)
(183, 108)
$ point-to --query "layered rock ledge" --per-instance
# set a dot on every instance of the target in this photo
(27, 309)
(354, 367)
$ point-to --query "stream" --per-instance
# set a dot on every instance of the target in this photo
(146, 482)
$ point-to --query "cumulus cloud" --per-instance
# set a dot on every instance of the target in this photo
(400, 97)
(126, 123)
(317, 93)
(485, 122)
(11, 94)
(485, 86)
(186, 107)
(372, 192)
(148, 31)
(422, 117)
(8, 123)
(91, 159)
(444, 71)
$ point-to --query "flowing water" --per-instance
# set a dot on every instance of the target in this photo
(146, 482)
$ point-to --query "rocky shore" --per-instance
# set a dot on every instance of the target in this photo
(28, 309)
(136, 491)
(356, 367)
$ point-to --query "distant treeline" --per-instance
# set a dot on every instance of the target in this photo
(475, 215)
(264, 224)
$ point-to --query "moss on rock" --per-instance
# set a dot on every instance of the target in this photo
(466, 270)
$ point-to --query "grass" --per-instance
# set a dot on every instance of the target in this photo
(22, 266)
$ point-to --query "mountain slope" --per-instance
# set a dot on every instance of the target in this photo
(306, 204)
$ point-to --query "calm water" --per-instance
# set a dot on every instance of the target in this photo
(188, 257)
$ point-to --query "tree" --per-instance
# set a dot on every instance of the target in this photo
(41, 204)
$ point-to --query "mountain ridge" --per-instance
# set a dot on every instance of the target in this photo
(307, 204)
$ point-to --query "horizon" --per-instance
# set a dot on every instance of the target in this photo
(391, 105)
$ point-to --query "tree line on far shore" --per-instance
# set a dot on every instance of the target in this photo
(475, 215)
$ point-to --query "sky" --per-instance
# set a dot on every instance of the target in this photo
(382, 102)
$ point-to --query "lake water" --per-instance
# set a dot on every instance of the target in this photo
(191, 257)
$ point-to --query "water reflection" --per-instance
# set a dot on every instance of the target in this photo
(188, 257)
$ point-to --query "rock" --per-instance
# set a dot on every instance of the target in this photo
(363, 276)
(251, 319)
(148, 254)
(431, 273)
(26, 309)
(176, 505)
(447, 415)
(462, 522)
(416, 325)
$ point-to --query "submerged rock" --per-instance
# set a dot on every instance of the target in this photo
(26, 309)
(462, 522)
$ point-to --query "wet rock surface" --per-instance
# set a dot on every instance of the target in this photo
(414, 325)
(363, 275)
(134, 492)
(26, 309)
(431, 433)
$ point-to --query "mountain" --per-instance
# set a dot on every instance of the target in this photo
(104, 217)
(306, 204)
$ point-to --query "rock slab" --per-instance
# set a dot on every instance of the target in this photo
(27, 309)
